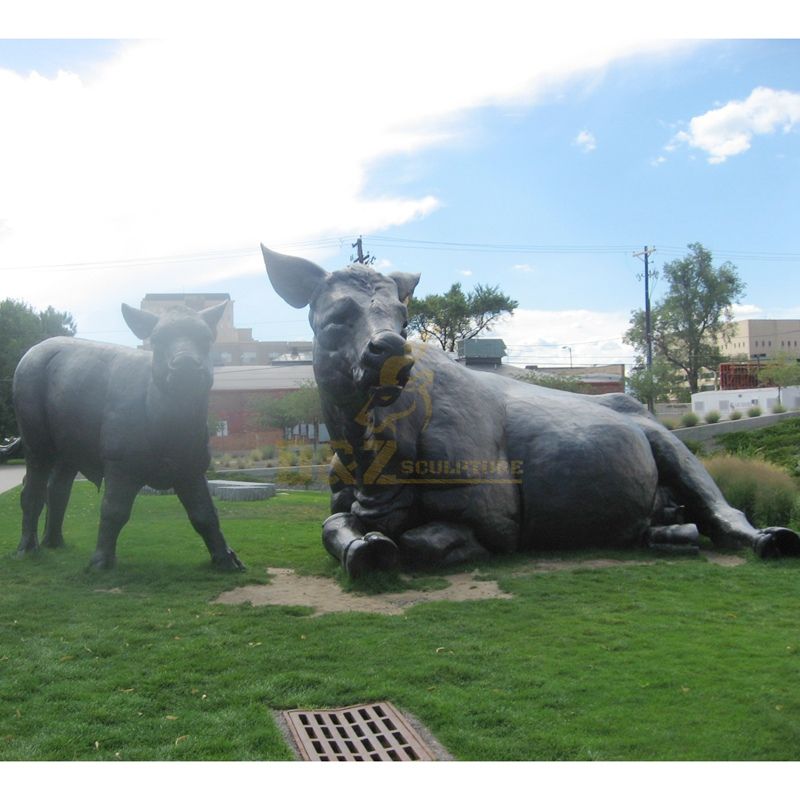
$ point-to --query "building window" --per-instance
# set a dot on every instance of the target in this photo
(249, 358)
(225, 358)
(222, 427)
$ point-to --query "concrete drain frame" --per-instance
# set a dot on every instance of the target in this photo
(370, 732)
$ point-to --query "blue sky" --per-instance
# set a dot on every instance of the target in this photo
(158, 165)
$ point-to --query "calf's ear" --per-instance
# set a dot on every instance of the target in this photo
(212, 315)
(406, 283)
(293, 278)
(140, 322)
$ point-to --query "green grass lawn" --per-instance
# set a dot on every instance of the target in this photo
(680, 660)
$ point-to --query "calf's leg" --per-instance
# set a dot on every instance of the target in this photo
(32, 499)
(115, 511)
(59, 488)
(196, 499)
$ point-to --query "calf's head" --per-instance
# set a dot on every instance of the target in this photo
(181, 340)
(359, 319)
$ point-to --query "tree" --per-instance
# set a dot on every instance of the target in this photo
(301, 406)
(453, 316)
(655, 385)
(694, 317)
(20, 329)
(781, 371)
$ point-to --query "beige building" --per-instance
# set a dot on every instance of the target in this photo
(763, 338)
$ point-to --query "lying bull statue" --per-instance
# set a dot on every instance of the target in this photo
(124, 416)
(446, 464)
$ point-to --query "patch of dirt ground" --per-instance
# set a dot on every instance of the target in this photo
(325, 596)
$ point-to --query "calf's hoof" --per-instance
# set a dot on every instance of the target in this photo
(373, 552)
(777, 543)
(228, 561)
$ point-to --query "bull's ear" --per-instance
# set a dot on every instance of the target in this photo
(212, 315)
(140, 322)
(293, 278)
(406, 283)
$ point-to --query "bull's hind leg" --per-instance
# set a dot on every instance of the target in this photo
(692, 486)
(59, 488)
(32, 499)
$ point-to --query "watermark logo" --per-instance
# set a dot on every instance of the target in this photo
(378, 461)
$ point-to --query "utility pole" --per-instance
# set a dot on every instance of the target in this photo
(361, 256)
(648, 333)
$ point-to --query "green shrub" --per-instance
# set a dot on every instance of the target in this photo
(764, 492)
(778, 444)
(778, 408)
(754, 411)
(300, 478)
(689, 420)
(269, 452)
(795, 521)
(712, 416)
(669, 424)
(735, 414)
(696, 448)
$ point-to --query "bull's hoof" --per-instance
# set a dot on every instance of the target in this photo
(777, 543)
(228, 562)
(102, 561)
(373, 552)
(53, 540)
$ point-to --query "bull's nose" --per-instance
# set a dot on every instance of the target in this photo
(386, 344)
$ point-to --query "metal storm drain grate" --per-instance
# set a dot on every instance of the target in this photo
(374, 732)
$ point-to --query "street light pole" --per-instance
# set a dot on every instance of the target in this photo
(567, 347)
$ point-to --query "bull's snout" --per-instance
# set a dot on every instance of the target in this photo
(386, 363)
(382, 346)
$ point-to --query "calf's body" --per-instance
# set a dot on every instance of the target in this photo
(121, 416)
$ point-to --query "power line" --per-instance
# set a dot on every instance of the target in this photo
(401, 243)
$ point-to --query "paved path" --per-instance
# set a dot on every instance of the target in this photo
(10, 476)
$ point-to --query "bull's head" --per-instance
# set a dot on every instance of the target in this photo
(359, 319)
(181, 340)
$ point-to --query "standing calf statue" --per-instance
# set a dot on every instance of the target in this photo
(447, 464)
(127, 417)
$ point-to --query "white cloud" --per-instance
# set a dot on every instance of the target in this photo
(586, 141)
(746, 311)
(729, 130)
(523, 267)
(208, 145)
(466, 272)
(538, 337)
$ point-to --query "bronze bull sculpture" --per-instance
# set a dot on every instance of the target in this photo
(446, 464)
(124, 416)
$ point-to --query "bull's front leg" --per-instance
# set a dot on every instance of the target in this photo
(115, 511)
(196, 499)
(357, 550)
